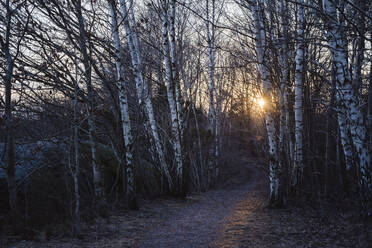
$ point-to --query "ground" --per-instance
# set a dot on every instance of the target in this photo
(233, 215)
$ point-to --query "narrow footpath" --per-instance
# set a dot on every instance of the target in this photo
(234, 215)
(208, 215)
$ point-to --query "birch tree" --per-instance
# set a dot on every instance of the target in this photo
(298, 108)
(346, 95)
(341, 64)
(129, 23)
(257, 8)
(124, 109)
(170, 77)
(210, 23)
(175, 67)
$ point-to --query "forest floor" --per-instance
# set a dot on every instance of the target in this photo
(233, 215)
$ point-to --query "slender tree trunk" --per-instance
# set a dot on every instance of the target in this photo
(97, 178)
(210, 26)
(284, 111)
(210, 30)
(274, 165)
(330, 114)
(9, 128)
(124, 109)
(298, 163)
(288, 127)
(170, 85)
(142, 87)
(217, 137)
(76, 154)
(282, 132)
(202, 176)
(173, 55)
(193, 98)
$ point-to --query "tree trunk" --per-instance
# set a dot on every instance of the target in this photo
(9, 132)
(141, 85)
(210, 30)
(298, 162)
(275, 197)
(97, 178)
(124, 111)
(283, 102)
(170, 85)
(76, 154)
(347, 96)
(173, 55)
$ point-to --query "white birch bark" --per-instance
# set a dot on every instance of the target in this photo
(141, 86)
(342, 115)
(298, 109)
(124, 108)
(348, 97)
(173, 55)
(170, 85)
(274, 166)
(210, 31)
(344, 127)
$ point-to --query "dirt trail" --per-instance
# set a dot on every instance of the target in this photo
(201, 222)
(236, 216)
(233, 216)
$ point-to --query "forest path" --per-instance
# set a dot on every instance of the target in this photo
(204, 217)
(232, 216)
(236, 216)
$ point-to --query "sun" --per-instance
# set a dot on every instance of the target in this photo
(261, 102)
